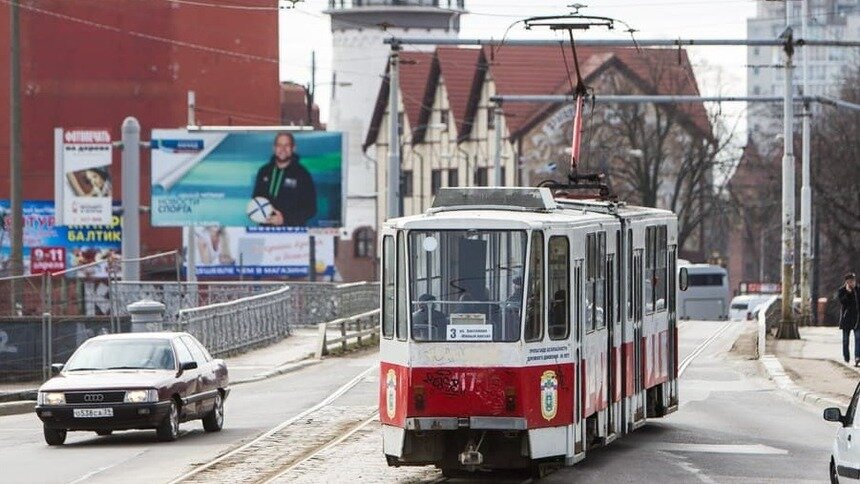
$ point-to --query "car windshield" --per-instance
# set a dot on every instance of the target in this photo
(123, 354)
(467, 285)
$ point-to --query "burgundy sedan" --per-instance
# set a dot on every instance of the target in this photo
(134, 381)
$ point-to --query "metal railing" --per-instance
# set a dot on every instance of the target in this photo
(351, 328)
(230, 327)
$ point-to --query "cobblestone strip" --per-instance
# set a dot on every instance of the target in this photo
(357, 459)
(267, 456)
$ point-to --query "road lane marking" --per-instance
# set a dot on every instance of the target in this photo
(701, 348)
(746, 449)
(89, 475)
(327, 401)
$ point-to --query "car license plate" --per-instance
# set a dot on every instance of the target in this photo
(92, 412)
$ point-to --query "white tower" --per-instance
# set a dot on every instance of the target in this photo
(359, 60)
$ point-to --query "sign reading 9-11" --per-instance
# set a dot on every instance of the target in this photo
(247, 179)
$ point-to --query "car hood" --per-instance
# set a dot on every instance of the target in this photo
(103, 380)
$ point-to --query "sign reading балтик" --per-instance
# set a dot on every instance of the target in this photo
(246, 179)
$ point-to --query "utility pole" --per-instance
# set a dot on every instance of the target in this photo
(393, 134)
(787, 326)
(16, 258)
(311, 88)
(497, 156)
(806, 253)
(131, 199)
(191, 251)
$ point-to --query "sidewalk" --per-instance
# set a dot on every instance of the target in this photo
(289, 354)
(814, 363)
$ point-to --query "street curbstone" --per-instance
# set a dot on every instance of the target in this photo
(777, 373)
(17, 407)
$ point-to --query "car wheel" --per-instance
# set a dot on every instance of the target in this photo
(103, 433)
(834, 478)
(214, 420)
(168, 431)
(54, 436)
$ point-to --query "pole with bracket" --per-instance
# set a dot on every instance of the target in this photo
(393, 199)
(131, 198)
(191, 252)
(497, 156)
(806, 253)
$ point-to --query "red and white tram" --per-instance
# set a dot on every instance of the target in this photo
(519, 329)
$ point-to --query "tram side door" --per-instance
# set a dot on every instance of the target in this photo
(578, 331)
(638, 360)
(673, 326)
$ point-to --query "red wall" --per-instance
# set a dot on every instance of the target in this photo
(77, 74)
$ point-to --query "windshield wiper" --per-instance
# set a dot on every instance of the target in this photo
(83, 369)
(126, 368)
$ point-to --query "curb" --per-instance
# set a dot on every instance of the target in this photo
(777, 373)
(16, 408)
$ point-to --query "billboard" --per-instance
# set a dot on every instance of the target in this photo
(82, 188)
(52, 247)
(259, 251)
(241, 179)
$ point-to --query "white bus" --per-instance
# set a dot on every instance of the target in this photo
(707, 294)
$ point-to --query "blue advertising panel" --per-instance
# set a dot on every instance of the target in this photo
(247, 179)
(80, 245)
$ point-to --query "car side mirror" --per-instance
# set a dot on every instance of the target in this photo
(833, 414)
(56, 368)
(683, 279)
(188, 365)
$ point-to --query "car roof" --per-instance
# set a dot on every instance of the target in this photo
(165, 335)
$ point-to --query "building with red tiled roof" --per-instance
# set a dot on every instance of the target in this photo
(448, 125)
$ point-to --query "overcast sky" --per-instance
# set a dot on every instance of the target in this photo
(719, 70)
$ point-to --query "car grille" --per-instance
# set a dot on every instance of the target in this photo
(95, 397)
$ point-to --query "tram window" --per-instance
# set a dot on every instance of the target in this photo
(600, 287)
(590, 276)
(402, 297)
(535, 296)
(577, 298)
(650, 271)
(559, 288)
(629, 273)
(610, 289)
(388, 276)
(466, 285)
(660, 276)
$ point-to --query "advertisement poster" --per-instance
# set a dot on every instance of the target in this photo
(56, 248)
(247, 179)
(83, 183)
(258, 252)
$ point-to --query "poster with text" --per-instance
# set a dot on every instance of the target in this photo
(56, 248)
(247, 179)
(259, 252)
(83, 187)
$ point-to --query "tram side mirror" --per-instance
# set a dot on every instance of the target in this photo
(683, 279)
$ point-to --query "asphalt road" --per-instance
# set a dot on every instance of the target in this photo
(137, 457)
(733, 425)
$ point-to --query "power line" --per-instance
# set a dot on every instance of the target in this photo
(224, 5)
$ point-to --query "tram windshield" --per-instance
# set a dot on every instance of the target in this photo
(467, 285)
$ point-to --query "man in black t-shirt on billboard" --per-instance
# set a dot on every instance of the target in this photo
(287, 185)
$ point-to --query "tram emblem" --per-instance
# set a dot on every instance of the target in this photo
(548, 395)
(391, 393)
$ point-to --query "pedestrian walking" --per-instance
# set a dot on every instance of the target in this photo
(849, 317)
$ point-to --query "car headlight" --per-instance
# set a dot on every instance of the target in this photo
(51, 398)
(141, 396)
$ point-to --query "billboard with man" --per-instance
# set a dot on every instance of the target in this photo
(247, 179)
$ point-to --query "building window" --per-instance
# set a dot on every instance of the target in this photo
(443, 116)
(453, 177)
(481, 177)
(435, 181)
(406, 183)
(491, 118)
(756, 90)
(400, 120)
(502, 172)
(363, 242)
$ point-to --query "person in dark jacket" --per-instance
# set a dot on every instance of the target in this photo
(287, 185)
(849, 317)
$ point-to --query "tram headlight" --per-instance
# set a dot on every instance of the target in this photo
(418, 396)
(510, 399)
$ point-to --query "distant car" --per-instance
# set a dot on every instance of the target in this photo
(746, 306)
(134, 381)
(845, 455)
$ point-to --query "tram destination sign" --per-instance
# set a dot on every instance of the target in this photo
(469, 332)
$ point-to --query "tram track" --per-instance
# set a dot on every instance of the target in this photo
(682, 367)
(261, 460)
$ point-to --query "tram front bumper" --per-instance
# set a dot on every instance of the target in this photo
(475, 423)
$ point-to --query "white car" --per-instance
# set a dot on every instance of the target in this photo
(743, 307)
(845, 458)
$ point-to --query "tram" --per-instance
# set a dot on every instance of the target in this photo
(520, 328)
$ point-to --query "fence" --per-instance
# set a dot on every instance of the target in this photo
(351, 328)
(229, 327)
